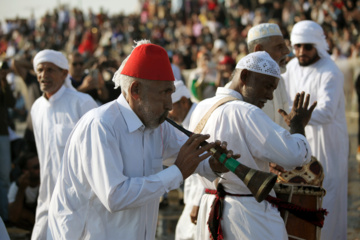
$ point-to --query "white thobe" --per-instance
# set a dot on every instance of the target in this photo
(193, 190)
(53, 121)
(112, 176)
(327, 134)
(250, 132)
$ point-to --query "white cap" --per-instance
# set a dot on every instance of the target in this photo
(51, 56)
(180, 91)
(260, 62)
(263, 30)
(56, 58)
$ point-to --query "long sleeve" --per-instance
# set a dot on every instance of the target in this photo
(328, 96)
(115, 190)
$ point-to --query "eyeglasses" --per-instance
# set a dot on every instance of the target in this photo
(77, 63)
(307, 46)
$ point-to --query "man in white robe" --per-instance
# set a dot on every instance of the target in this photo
(314, 72)
(259, 140)
(268, 37)
(193, 189)
(112, 177)
(54, 115)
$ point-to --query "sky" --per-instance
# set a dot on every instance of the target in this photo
(24, 8)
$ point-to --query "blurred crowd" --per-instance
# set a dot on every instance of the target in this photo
(204, 40)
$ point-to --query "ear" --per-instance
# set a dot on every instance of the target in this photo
(135, 90)
(243, 76)
(65, 73)
(183, 101)
(258, 47)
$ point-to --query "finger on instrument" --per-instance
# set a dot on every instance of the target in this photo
(224, 144)
(196, 139)
(229, 154)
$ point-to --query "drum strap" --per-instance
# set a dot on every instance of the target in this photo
(315, 217)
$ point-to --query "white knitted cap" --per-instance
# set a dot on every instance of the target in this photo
(260, 62)
(263, 30)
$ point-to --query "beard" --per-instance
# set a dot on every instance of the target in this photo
(312, 60)
(150, 119)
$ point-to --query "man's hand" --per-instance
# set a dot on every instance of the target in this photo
(276, 169)
(217, 166)
(300, 115)
(191, 154)
(88, 83)
(194, 214)
(24, 180)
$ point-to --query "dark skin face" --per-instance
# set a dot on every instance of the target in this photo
(179, 110)
(76, 69)
(306, 57)
(257, 88)
(151, 101)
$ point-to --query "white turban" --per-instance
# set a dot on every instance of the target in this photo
(260, 62)
(310, 32)
(263, 30)
(180, 91)
(56, 58)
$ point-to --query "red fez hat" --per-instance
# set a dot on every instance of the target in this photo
(149, 61)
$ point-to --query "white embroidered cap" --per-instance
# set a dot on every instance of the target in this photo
(180, 91)
(263, 30)
(260, 62)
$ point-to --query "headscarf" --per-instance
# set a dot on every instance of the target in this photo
(56, 58)
(310, 32)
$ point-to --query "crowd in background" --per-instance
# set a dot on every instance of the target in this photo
(204, 39)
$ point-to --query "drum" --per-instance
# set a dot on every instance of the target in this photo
(309, 174)
(305, 196)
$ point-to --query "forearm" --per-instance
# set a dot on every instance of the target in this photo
(103, 93)
(16, 207)
(138, 191)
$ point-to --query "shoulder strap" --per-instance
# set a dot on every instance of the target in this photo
(203, 121)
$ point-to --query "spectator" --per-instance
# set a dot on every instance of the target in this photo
(7, 100)
(92, 83)
(23, 193)
(54, 115)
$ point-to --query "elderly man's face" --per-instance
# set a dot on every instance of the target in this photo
(278, 50)
(306, 53)
(155, 102)
(50, 77)
(259, 88)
